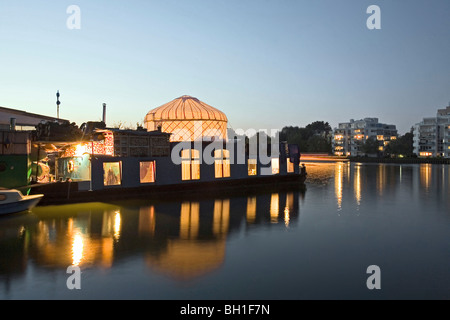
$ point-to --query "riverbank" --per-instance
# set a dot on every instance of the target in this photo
(400, 160)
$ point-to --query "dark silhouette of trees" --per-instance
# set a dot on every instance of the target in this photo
(402, 146)
(370, 146)
(315, 137)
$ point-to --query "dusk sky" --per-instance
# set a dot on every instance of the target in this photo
(266, 64)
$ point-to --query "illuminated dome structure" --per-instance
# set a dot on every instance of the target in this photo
(188, 119)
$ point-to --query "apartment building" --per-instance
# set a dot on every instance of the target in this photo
(432, 135)
(349, 137)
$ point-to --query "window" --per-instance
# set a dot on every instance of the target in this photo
(275, 166)
(222, 163)
(252, 167)
(290, 166)
(147, 171)
(190, 164)
(112, 173)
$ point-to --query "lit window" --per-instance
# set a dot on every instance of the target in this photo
(252, 167)
(275, 166)
(380, 137)
(147, 171)
(222, 163)
(290, 166)
(426, 154)
(380, 148)
(112, 173)
(190, 164)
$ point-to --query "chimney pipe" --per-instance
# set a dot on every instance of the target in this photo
(104, 113)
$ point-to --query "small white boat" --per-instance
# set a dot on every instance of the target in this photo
(12, 201)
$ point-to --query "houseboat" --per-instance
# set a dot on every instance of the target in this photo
(184, 149)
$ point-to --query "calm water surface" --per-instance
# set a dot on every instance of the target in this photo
(313, 244)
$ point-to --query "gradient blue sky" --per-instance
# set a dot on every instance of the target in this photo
(266, 64)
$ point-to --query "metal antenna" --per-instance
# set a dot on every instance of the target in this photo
(57, 103)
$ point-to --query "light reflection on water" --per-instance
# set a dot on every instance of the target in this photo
(232, 241)
(381, 180)
(180, 240)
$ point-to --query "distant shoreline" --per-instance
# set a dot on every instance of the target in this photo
(408, 160)
(400, 160)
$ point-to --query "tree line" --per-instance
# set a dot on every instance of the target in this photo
(317, 137)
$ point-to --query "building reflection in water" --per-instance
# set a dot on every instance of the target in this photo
(189, 220)
(287, 209)
(111, 224)
(182, 240)
(352, 181)
(58, 242)
(381, 179)
(77, 248)
(251, 209)
(274, 208)
(339, 183)
(357, 184)
(147, 221)
(221, 217)
(425, 175)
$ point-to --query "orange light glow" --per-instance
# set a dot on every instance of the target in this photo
(80, 150)
(426, 154)
(77, 249)
(339, 184)
(274, 208)
(105, 147)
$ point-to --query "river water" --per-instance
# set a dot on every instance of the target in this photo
(294, 244)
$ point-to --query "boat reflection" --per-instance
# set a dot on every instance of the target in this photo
(181, 240)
